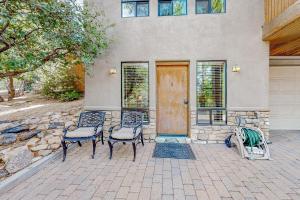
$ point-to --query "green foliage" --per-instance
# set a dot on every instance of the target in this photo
(58, 82)
(218, 6)
(70, 96)
(36, 32)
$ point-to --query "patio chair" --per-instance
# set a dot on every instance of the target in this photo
(89, 127)
(130, 130)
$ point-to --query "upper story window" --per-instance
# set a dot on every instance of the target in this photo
(135, 8)
(210, 6)
(172, 7)
(211, 93)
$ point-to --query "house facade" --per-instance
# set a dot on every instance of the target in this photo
(191, 66)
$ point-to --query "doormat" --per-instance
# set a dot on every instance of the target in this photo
(173, 150)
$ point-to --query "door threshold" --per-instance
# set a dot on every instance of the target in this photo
(172, 139)
(172, 135)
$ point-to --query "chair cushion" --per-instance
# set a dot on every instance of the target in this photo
(123, 134)
(82, 132)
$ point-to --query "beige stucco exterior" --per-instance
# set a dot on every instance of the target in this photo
(235, 36)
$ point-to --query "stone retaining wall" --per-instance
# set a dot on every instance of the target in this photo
(205, 134)
(48, 128)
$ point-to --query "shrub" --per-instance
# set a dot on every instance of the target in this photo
(70, 96)
(58, 82)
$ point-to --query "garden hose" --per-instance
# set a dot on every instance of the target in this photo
(252, 137)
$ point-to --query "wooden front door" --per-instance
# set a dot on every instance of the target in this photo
(172, 98)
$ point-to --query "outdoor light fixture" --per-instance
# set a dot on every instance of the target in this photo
(236, 68)
(112, 71)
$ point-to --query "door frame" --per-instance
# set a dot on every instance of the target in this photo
(184, 63)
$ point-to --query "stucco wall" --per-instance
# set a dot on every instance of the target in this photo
(235, 36)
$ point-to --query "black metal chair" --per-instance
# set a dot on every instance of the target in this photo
(89, 127)
(130, 130)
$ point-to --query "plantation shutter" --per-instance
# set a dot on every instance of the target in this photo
(135, 87)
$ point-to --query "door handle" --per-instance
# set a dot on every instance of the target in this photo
(186, 102)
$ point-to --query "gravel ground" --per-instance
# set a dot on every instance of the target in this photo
(32, 105)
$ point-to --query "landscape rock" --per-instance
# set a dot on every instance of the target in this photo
(56, 116)
(18, 159)
(16, 129)
(58, 132)
(27, 135)
(33, 120)
(54, 146)
(44, 152)
(3, 173)
(69, 123)
(54, 140)
(43, 127)
(4, 126)
(7, 138)
(32, 142)
(55, 125)
(40, 147)
(41, 134)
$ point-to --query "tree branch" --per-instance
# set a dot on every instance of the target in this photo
(4, 28)
(53, 54)
(26, 36)
(14, 73)
(14, 43)
(6, 46)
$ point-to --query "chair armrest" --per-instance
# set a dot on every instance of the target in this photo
(66, 129)
(110, 130)
(136, 128)
(97, 126)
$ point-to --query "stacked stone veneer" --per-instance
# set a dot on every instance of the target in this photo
(205, 134)
(258, 119)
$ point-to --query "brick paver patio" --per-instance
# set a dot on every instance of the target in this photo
(218, 173)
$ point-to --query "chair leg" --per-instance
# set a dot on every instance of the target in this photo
(63, 144)
(142, 139)
(110, 148)
(79, 143)
(102, 138)
(94, 148)
(134, 150)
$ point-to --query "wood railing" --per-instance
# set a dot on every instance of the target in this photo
(273, 8)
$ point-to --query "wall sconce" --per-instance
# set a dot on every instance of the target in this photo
(236, 68)
(112, 71)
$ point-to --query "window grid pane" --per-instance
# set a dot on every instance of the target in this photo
(211, 92)
(210, 6)
(142, 9)
(202, 6)
(172, 7)
(128, 9)
(135, 87)
(135, 8)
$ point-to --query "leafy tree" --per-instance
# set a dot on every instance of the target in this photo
(36, 32)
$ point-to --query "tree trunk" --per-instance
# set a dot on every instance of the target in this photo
(11, 88)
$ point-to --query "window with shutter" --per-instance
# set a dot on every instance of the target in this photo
(135, 87)
(211, 92)
(210, 6)
(172, 7)
(135, 8)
